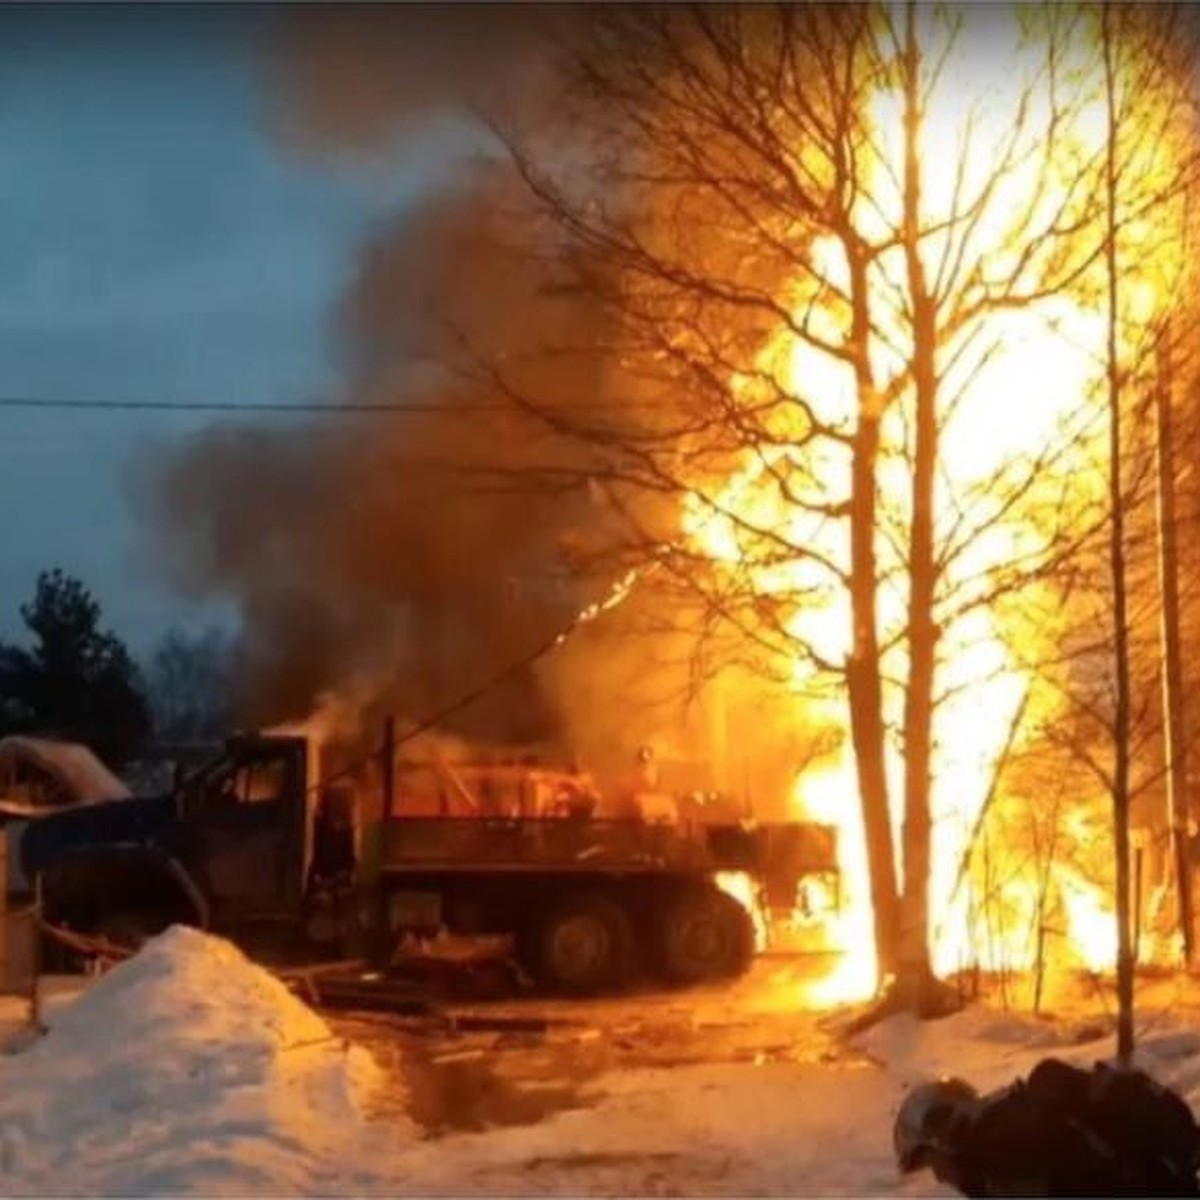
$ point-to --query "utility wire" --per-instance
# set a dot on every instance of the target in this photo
(584, 617)
(433, 720)
(228, 406)
(334, 407)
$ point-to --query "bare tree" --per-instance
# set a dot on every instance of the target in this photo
(1174, 722)
(190, 685)
(730, 151)
(802, 238)
(1121, 721)
(1107, 664)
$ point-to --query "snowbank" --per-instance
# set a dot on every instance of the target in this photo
(187, 1069)
(989, 1048)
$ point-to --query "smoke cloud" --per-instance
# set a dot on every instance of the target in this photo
(351, 77)
(403, 559)
(412, 547)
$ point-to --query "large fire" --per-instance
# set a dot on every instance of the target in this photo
(1018, 381)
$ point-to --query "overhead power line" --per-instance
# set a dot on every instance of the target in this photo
(535, 654)
(230, 406)
(332, 407)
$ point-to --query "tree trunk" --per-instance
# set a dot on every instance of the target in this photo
(915, 968)
(1121, 715)
(865, 689)
(1172, 653)
(864, 681)
(915, 971)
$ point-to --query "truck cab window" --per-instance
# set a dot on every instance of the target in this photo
(259, 782)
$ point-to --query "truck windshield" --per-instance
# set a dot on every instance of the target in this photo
(259, 782)
(248, 781)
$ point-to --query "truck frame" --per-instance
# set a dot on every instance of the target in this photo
(254, 847)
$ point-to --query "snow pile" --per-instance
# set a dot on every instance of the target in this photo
(989, 1048)
(186, 1069)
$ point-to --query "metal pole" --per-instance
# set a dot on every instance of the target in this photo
(35, 990)
(379, 947)
(388, 765)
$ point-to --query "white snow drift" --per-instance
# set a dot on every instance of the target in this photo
(186, 1069)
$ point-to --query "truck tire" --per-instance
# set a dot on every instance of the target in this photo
(583, 945)
(705, 935)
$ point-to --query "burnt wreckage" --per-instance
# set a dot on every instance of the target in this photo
(262, 848)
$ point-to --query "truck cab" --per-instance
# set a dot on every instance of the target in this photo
(245, 829)
(226, 849)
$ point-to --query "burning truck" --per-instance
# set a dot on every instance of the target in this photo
(280, 847)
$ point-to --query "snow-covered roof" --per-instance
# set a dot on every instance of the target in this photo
(74, 766)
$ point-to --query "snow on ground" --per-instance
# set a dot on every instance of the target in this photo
(776, 1128)
(189, 1070)
(186, 1069)
(720, 1129)
(725, 1128)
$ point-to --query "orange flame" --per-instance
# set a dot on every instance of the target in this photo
(741, 886)
(1022, 382)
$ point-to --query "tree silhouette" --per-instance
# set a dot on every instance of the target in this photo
(77, 681)
(189, 684)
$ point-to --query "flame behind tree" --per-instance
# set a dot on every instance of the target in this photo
(764, 241)
(860, 256)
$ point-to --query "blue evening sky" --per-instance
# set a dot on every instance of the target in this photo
(157, 243)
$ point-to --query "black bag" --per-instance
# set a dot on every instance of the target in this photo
(1151, 1130)
(1066, 1131)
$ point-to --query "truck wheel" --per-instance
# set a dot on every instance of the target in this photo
(583, 945)
(704, 935)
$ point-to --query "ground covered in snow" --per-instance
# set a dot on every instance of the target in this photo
(187, 1069)
(816, 1124)
(190, 1070)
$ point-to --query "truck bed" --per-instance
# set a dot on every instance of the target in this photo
(422, 844)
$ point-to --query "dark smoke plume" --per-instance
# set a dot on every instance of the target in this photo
(407, 558)
(352, 77)
(413, 548)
